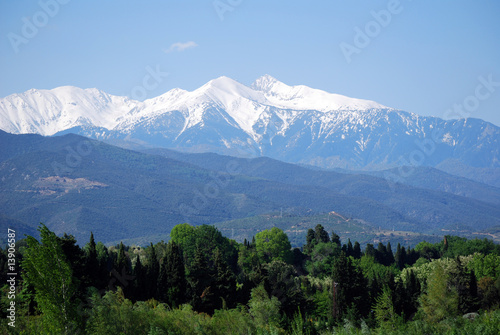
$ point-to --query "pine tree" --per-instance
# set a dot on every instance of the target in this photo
(200, 279)
(412, 290)
(152, 273)
(139, 290)
(122, 261)
(381, 254)
(77, 260)
(389, 255)
(440, 299)
(176, 280)
(384, 310)
(320, 234)
(350, 251)
(356, 250)
(92, 263)
(224, 282)
(370, 250)
(400, 257)
(465, 284)
(348, 288)
(310, 241)
(335, 239)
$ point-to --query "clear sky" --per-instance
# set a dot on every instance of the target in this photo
(424, 57)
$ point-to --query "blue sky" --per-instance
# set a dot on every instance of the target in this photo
(426, 57)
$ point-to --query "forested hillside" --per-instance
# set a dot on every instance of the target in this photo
(76, 185)
(201, 282)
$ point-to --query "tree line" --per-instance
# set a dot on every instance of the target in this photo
(202, 282)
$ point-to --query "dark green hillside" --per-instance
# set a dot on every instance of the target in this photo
(79, 185)
(76, 185)
(428, 207)
(19, 227)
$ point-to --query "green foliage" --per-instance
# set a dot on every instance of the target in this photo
(374, 270)
(321, 259)
(181, 233)
(485, 265)
(440, 300)
(172, 278)
(427, 250)
(348, 288)
(47, 270)
(265, 310)
(257, 295)
(273, 244)
(224, 286)
(113, 314)
(282, 282)
(207, 239)
(460, 246)
(385, 313)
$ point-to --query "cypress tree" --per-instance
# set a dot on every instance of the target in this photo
(370, 250)
(335, 238)
(176, 280)
(350, 251)
(400, 258)
(356, 250)
(381, 254)
(200, 278)
(139, 292)
(389, 255)
(153, 271)
(92, 263)
(122, 260)
(224, 282)
(412, 291)
(310, 241)
(320, 234)
(349, 286)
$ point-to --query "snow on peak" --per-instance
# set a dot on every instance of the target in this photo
(265, 83)
(241, 102)
(225, 90)
(305, 98)
(49, 111)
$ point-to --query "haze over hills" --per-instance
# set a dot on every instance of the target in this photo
(291, 123)
(76, 185)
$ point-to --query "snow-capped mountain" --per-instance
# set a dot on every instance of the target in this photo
(291, 123)
(47, 112)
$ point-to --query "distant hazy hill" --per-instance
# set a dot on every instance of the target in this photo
(76, 185)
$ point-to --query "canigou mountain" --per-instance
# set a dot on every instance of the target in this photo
(295, 124)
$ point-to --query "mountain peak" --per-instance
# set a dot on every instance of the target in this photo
(222, 82)
(226, 90)
(265, 83)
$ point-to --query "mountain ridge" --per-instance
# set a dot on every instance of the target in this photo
(296, 124)
(77, 185)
